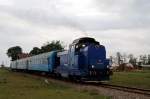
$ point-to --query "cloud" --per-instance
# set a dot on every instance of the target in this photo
(119, 25)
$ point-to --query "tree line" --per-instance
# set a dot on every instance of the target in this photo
(121, 58)
(15, 51)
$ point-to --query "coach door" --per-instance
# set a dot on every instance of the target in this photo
(71, 58)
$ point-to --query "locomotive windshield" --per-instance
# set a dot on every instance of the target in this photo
(83, 42)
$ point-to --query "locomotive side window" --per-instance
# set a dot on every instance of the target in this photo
(72, 48)
(83, 45)
(79, 46)
(76, 47)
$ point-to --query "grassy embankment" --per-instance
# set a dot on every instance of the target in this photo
(139, 79)
(24, 86)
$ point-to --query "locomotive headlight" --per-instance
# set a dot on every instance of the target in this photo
(108, 66)
(93, 66)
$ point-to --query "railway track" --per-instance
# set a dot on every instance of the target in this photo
(126, 89)
(140, 91)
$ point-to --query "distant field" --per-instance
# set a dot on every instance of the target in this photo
(23, 86)
(140, 79)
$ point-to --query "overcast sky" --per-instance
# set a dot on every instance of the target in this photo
(120, 25)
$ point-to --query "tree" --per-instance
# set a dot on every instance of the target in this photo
(131, 56)
(111, 60)
(13, 52)
(124, 58)
(144, 59)
(52, 46)
(132, 60)
(35, 51)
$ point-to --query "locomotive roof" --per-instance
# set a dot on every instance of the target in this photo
(84, 39)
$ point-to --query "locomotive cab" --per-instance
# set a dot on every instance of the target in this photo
(87, 60)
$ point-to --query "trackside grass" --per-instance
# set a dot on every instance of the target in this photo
(22, 86)
(139, 79)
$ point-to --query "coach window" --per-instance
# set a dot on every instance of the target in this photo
(41, 61)
(35, 61)
(45, 60)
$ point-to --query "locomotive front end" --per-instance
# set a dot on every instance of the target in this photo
(98, 65)
(92, 60)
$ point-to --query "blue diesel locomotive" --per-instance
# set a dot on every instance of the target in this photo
(85, 60)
